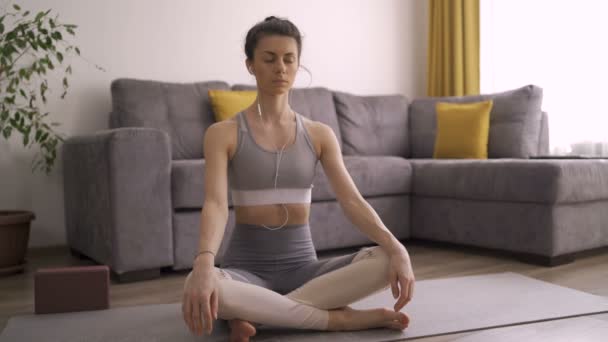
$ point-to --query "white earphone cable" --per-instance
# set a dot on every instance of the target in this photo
(276, 175)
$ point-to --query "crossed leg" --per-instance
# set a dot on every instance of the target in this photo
(311, 305)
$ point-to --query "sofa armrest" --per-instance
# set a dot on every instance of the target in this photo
(117, 196)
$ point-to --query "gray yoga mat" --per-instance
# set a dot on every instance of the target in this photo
(583, 329)
(439, 306)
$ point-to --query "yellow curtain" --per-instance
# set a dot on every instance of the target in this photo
(453, 48)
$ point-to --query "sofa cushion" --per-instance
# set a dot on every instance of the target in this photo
(515, 122)
(182, 110)
(314, 103)
(373, 125)
(462, 130)
(514, 180)
(227, 103)
(373, 176)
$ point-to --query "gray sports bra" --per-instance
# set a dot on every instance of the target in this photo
(253, 175)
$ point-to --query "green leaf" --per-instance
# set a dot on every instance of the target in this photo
(56, 35)
(41, 43)
(23, 93)
(77, 50)
(20, 43)
(39, 16)
(1, 28)
(52, 22)
(68, 69)
(9, 50)
(37, 137)
(59, 57)
(25, 13)
(70, 31)
(26, 139)
(44, 31)
(7, 131)
(65, 82)
(15, 6)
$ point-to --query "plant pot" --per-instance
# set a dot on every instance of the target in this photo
(14, 236)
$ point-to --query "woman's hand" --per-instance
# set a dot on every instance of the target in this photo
(200, 299)
(401, 277)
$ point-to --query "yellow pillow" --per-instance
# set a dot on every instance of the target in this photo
(462, 130)
(226, 103)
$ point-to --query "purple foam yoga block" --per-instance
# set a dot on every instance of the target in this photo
(67, 289)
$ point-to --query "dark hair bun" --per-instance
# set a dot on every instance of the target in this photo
(271, 26)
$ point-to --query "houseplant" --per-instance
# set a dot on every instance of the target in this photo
(33, 50)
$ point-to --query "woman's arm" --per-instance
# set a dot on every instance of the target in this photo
(214, 214)
(355, 207)
(401, 275)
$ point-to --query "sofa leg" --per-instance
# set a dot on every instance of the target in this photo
(134, 276)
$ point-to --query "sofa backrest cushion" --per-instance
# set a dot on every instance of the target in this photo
(315, 103)
(515, 122)
(373, 125)
(183, 110)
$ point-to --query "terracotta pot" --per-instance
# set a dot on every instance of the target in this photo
(14, 236)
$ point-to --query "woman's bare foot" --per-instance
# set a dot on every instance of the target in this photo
(240, 331)
(350, 319)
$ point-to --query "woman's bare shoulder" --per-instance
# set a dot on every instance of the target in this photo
(222, 133)
(314, 127)
(316, 131)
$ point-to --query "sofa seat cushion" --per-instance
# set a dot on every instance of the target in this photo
(514, 180)
(372, 175)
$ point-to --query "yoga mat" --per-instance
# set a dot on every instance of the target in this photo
(587, 329)
(439, 306)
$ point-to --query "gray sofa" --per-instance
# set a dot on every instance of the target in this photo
(134, 192)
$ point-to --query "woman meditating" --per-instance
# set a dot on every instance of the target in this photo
(270, 274)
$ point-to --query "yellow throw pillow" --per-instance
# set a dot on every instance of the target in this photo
(226, 103)
(462, 130)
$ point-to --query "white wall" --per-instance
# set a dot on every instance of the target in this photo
(557, 45)
(358, 46)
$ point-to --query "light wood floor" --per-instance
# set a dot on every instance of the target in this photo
(588, 274)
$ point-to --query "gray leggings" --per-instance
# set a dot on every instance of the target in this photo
(280, 260)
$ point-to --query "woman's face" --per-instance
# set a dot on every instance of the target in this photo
(275, 63)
